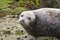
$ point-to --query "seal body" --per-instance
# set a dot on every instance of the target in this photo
(41, 22)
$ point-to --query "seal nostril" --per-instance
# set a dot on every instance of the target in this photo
(22, 21)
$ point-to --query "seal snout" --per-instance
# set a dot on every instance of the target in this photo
(22, 21)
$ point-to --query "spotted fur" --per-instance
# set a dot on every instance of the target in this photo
(46, 22)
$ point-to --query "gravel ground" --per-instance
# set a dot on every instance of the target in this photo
(10, 29)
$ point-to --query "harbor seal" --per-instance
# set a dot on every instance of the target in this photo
(41, 22)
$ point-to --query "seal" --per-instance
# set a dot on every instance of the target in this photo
(41, 22)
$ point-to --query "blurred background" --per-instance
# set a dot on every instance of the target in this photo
(13, 7)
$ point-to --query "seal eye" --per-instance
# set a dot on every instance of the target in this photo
(29, 18)
(21, 15)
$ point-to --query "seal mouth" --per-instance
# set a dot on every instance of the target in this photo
(22, 23)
